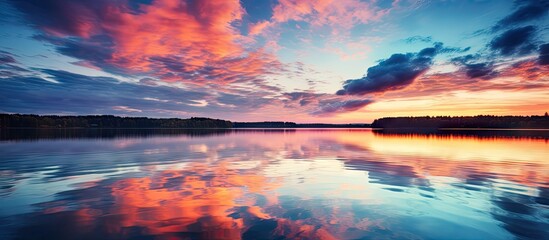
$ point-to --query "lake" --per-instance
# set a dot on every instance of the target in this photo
(274, 184)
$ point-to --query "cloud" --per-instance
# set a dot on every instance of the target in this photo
(527, 11)
(516, 41)
(303, 98)
(80, 94)
(544, 54)
(94, 52)
(126, 109)
(258, 27)
(528, 70)
(194, 42)
(508, 41)
(474, 68)
(47, 91)
(59, 17)
(480, 70)
(340, 16)
(155, 99)
(520, 77)
(6, 57)
(334, 106)
(413, 39)
(322, 104)
(396, 72)
(198, 103)
(148, 81)
(9, 66)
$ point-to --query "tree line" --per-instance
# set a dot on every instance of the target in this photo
(480, 121)
(110, 121)
(106, 121)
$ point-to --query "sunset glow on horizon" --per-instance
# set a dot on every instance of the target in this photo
(344, 61)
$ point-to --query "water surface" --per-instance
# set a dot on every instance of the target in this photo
(274, 184)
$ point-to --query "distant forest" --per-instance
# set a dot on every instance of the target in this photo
(109, 121)
(481, 121)
(106, 121)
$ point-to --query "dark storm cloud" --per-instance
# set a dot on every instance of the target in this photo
(81, 94)
(473, 66)
(328, 107)
(396, 72)
(527, 11)
(516, 41)
(480, 70)
(544, 54)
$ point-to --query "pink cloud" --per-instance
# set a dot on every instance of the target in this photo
(201, 31)
(340, 14)
(177, 41)
(515, 77)
(257, 28)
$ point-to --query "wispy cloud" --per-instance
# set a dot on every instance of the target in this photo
(126, 109)
(331, 107)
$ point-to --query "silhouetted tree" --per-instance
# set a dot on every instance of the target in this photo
(106, 121)
(480, 121)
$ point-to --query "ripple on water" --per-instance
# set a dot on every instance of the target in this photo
(276, 185)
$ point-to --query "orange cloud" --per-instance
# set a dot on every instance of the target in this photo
(528, 70)
(195, 42)
(201, 31)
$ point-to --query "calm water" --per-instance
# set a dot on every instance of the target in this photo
(274, 184)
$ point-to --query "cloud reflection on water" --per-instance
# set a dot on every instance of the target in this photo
(327, 184)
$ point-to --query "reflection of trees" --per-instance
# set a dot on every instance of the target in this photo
(452, 134)
(44, 133)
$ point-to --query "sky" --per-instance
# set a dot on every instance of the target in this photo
(332, 61)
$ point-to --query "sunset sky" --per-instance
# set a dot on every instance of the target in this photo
(332, 61)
